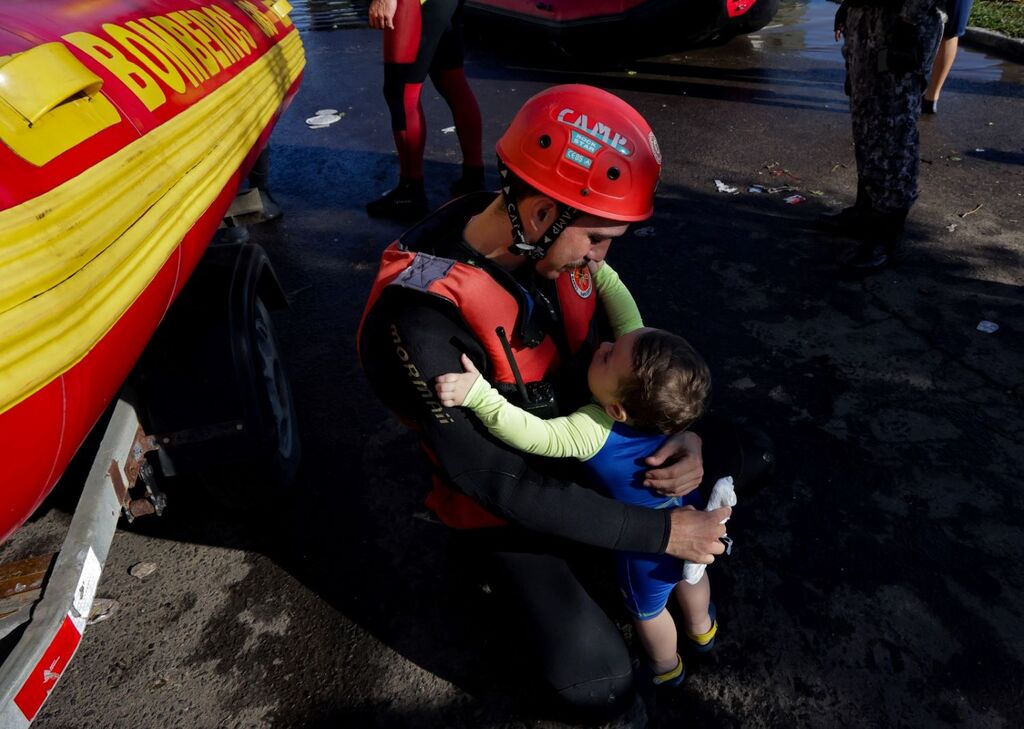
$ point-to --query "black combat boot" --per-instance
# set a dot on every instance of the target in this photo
(848, 221)
(472, 180)
(407, 202)
(880, 238)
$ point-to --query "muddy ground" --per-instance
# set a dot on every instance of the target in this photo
(877, 584)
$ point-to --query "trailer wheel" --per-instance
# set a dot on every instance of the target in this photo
(262, 483)
(215, 388)
(274, 394)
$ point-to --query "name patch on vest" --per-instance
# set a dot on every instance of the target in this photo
(582, 283)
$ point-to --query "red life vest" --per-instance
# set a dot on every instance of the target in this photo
(484, 305)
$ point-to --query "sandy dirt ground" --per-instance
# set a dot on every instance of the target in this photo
(878, 583)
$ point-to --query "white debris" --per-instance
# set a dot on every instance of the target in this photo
(102, 608)
(142, 570)
(322, 120)
(722, 187)
(989, 327)
(448, 130)
(951, 227)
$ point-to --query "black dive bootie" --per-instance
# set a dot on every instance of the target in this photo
(407, 202)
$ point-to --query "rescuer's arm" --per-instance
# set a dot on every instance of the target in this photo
(404, 348)
(580, 435)
(619, 305)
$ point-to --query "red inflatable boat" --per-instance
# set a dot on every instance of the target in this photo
(636, 22)
(126, 128)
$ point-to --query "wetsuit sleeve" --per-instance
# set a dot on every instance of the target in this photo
(619, 305)
(404, 349)
(580, 435)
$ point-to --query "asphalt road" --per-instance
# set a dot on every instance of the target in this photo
(877, 584)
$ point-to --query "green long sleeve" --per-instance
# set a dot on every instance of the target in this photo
(619, 304)
(580, 435)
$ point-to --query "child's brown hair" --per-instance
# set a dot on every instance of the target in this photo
(670, 384)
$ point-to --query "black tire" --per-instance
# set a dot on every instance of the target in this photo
(263, 483)
(215, 391)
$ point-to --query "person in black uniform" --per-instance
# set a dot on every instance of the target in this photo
(504, 279)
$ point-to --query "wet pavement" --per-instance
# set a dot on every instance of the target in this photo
(878, 583)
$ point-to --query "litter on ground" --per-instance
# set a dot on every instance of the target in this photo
(989, 327)
(794, 199)
(102, 608)
(777, 171)
(448, 130)
(722, 187)
(322, 120)
(142, 570)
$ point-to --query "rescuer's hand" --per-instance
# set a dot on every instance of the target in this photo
(453, 387)
(696, 535)
(382, 14)
(678, 465)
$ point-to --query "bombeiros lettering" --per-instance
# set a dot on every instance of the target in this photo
(168, 53)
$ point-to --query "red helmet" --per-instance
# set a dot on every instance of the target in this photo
(585, 148)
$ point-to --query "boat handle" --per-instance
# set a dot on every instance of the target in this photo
(42, 78)
(282, 8)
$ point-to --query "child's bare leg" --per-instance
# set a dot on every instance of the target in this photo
(694, 601)
(658, 637)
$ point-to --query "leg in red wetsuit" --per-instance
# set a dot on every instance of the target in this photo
(425, 40)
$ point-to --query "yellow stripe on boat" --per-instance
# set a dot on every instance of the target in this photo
(74, 259)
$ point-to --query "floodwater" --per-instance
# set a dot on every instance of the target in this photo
(801, 26)
(805, 27)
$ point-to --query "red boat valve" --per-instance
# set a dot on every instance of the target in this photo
(736, 8)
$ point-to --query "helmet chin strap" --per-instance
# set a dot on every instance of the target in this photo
(521, 245)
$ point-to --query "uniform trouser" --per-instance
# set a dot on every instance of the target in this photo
(545, 588)
(885, 107)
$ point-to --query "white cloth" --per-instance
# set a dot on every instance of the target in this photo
(723, 494)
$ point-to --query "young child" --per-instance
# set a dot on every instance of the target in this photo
(646, 385)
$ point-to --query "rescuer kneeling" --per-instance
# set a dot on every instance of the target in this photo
(504, 279)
